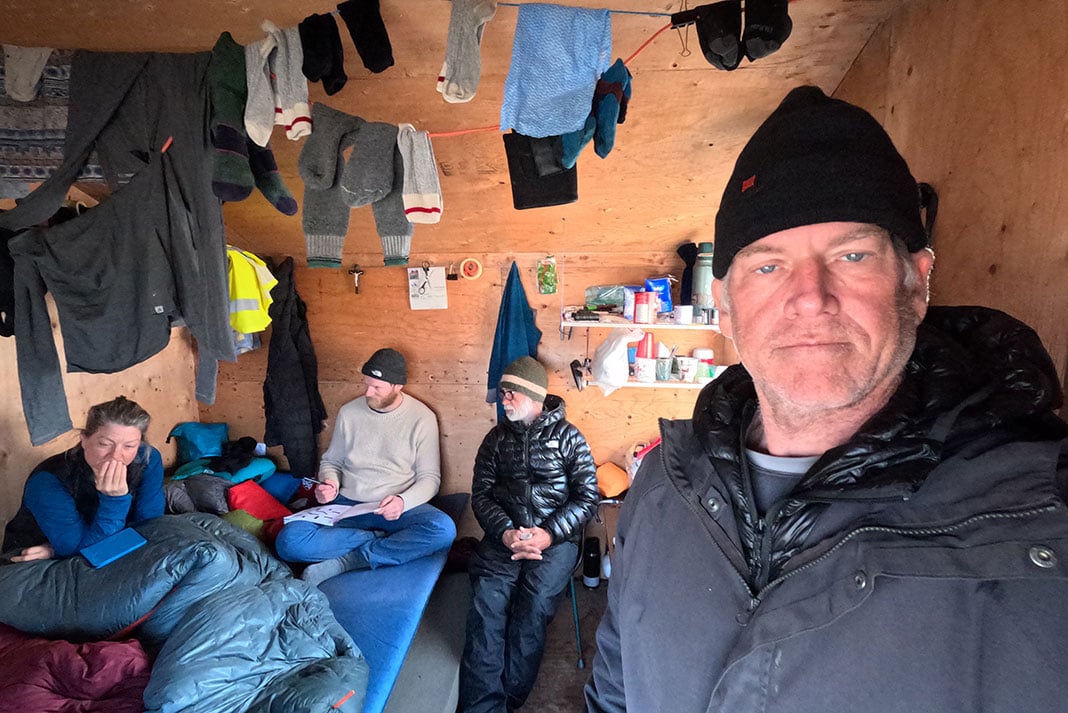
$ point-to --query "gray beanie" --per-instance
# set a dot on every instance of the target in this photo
(527, 376)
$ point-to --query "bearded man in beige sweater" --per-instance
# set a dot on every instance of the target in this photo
(384, 451)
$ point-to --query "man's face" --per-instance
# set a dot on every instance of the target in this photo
(382, 395)
(517, 406)
(819, 316)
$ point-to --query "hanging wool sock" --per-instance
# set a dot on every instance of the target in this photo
(421, 188)
(290, 85)
(259, 101)
(719, 28)
(325, 221)
(269, 180)
(394, 229)
(325, 218)
(324, 58)
(232, 178)
(368, 174)
(610, 100)
(767, 25)
(319, 164)
(463, 48)
(277, 89)
(364, 22)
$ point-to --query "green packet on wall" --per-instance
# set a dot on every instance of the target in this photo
(547, 275)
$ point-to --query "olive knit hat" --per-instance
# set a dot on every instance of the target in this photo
(816, 159)
(387, 365)
(526, 376)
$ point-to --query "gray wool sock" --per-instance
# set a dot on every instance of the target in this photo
(421, 187)
(463, 48)
(325, 217)
(368, 175)
(325, 221)
(320, 159)
(394, 229)
(319, 572)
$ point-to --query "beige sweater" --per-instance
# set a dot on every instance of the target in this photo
(372, 454)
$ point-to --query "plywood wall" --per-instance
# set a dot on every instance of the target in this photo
(974, 94)
(448, 353)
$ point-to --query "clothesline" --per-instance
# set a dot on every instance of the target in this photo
(461, 132)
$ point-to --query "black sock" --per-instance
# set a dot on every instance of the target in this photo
(368, 33)
(767, 25)
(719, 27)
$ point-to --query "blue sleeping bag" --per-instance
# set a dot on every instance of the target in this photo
(233, 630)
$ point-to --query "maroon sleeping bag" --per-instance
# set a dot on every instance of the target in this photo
(45, 676)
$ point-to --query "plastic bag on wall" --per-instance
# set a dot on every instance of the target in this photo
(609, 367)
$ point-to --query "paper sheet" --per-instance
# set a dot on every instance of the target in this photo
(426, 288)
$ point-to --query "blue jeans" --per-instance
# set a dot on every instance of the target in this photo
(416, 533)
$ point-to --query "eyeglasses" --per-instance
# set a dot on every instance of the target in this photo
(506, 394)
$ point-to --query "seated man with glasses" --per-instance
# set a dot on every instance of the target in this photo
(534, 487)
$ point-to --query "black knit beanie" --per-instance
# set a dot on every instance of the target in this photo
(387, 365)
(527, 376)
(816, 160)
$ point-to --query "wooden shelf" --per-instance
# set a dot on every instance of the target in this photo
(670, 384)
(611, 321)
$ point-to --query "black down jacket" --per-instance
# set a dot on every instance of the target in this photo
(541, 475)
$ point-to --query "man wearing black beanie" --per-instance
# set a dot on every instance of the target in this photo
(382, 467)
(867, 513)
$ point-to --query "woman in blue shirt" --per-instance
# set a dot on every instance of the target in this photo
(111, 479)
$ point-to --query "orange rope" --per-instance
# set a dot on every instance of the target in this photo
(646, 43)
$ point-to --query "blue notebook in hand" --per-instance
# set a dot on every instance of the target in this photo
(113, 547)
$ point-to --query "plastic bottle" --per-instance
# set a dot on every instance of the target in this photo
(703, 304)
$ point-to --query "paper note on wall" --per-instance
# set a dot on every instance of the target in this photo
(426, 288)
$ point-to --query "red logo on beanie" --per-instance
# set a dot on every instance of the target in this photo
(748, 183)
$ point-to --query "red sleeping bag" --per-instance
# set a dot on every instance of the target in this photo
(45, 676)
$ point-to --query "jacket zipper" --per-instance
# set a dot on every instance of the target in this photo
(753, 600)
(908, 532)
